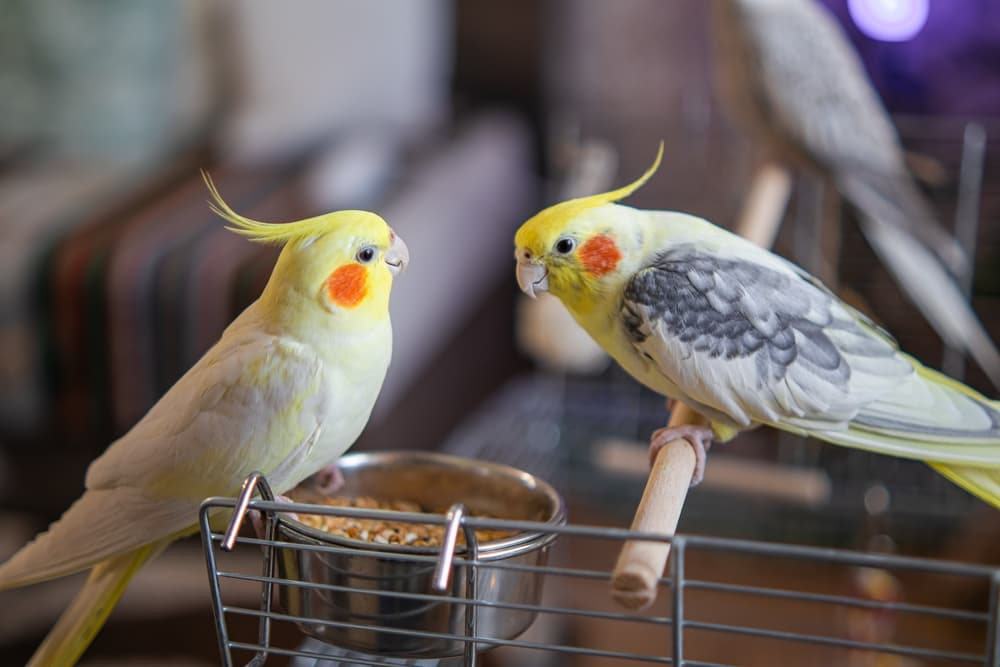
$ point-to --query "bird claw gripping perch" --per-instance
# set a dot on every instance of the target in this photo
(699, 437)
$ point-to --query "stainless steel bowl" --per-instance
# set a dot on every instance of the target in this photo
(435, 481)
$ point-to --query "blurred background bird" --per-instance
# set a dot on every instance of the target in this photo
(787, 74)
(286, 390)
(746, 338)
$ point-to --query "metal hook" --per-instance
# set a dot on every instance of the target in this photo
(442, 571)
(250, 484)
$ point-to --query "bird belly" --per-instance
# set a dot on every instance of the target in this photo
(350, 397)
(648, 373)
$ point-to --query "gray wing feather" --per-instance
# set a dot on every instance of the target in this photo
(754, 342)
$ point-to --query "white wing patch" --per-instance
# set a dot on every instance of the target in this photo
(757, 343)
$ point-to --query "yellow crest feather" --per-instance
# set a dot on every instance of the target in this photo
(559, 213)
(269, 232)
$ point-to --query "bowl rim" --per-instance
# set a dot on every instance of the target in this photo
(508, 547)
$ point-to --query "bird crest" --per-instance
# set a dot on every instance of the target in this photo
(554, 216)
(282, 233)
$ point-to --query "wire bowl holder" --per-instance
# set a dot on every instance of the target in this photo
(726, 602)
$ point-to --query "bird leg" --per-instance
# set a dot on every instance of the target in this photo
(328, 480)
(699, 437)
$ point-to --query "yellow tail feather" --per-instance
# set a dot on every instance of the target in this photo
(981, 482)
(84, 618)
(984, 483)
(950, 382)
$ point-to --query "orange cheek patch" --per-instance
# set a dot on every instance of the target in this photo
(347, 285)
(599, 255)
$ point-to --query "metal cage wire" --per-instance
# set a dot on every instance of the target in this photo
(925, 631)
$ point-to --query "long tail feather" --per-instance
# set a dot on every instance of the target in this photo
(933, 291)
(980, 479)
(981, 482)
(892, 198)
(82, 620)
(938, 420)
(94, 529)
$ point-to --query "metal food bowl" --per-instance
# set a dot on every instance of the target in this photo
(362, 620)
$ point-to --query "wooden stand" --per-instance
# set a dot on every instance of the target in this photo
(635, 578)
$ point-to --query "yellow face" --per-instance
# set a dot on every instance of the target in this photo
(351, 267)
(346, 258)
(346, 262)
(568, 258)
(355, 267)
(570, 247)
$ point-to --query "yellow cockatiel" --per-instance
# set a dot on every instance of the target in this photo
(747, 338)
(286, 390)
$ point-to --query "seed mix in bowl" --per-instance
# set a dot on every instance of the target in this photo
(388, 532)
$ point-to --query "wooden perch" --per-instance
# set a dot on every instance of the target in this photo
(764, 207)
(634, 581)
(640, 563)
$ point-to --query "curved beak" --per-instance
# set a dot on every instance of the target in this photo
(532, 277)
(397, 256)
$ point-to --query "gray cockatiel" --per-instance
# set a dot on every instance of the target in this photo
(746, 338)
(788, 75)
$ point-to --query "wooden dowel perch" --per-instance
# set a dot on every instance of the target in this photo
(640, 563)
(765, 205)
(635, 578)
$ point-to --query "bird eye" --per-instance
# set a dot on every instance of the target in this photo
(366, 254)
(565, 245)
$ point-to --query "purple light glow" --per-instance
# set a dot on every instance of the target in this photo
(889, 20)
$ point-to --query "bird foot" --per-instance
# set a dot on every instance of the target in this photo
(699, 437)
(328, 480)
